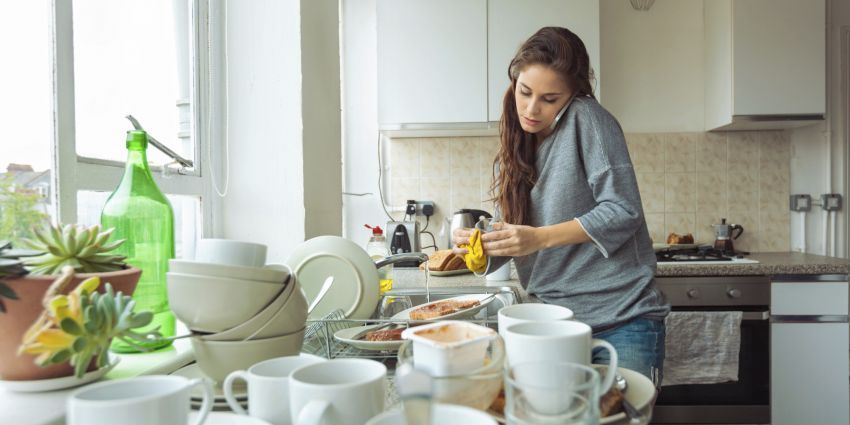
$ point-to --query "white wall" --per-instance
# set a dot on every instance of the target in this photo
(811, 156)
(652, 65)
(360, 119)
(265, 201)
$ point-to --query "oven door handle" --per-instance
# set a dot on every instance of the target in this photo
(756, 315)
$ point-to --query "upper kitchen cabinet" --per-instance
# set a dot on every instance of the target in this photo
(511, 22)
(432, 61)
(765, 63)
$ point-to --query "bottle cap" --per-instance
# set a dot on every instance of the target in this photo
(376, 231)
(137, 139)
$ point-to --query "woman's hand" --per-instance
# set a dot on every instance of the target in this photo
(510, 240)
(461, 236)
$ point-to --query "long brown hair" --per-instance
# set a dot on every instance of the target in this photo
(563, 52)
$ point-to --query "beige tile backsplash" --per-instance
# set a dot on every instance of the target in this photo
(687, 181)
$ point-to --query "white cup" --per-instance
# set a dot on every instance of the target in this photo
(232, 253)
(155, 399)
(557, 341)
(443, 414)
(501, 274)
(531, 312)
(337, 392)
(268, 388)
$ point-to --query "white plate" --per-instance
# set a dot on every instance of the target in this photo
(228, 418)
(193, 371)
(344, 335)
(53, 384)
(270, 273)
(469, 312)
(355, 284)
(449, 272)
(639, 393)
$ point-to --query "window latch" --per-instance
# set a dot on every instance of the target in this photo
(164, 149)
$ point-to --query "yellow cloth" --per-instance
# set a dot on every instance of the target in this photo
(475, 258)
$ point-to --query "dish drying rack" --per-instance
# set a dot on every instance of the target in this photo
(319, 337)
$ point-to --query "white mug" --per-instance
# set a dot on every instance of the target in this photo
(268, 388)
(232, 253)
(337, 392)
(557, 341)
(531, 312)
(155, 399)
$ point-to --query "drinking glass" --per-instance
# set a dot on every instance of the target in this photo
(549, 393)
(394, 304)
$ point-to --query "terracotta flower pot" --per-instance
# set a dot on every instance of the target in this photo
(24, 311)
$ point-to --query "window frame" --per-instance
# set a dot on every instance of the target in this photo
(73, 173)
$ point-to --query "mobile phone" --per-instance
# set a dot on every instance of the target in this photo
(561, 113)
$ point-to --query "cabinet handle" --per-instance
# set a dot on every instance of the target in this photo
(693, 293)
(734, 293)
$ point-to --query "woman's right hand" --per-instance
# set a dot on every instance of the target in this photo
(460, 236)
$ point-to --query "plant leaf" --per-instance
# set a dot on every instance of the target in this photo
(70, 326)
(7, 292)
(80, 344)
(60, 357)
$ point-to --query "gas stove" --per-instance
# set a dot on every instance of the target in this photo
(701, 255)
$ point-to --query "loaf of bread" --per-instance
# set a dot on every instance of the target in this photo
(611, 403)
(444, 260)
(675, 239)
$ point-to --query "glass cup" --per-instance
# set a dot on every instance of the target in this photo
(546, 393)
(393, 304)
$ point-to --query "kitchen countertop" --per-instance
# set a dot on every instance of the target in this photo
(769, 263)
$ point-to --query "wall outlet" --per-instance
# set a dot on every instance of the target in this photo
(801, 202)
(831, 201)
(422, 204)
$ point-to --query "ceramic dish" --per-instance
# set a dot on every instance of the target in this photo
(639, 393)
(52, 384)
(355, 284)
(483, 299)
(274, 273)
(193, 371)
(449, 272)
(228, 418)
(345, 335)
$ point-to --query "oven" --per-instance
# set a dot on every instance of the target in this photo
(746, 401)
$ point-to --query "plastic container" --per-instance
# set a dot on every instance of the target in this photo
(377, 249)
(142, 215)
(449, 347)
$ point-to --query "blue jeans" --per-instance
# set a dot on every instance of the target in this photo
(639, 345)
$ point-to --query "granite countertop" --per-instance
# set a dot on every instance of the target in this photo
(769, 263)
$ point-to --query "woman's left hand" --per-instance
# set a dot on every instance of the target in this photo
(511, 240)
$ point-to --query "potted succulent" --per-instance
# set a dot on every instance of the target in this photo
(30, 286)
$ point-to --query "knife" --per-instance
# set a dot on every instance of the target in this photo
(325, 286)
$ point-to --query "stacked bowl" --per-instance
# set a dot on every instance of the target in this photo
(241, 310)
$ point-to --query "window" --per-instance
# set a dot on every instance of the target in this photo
(132, 57)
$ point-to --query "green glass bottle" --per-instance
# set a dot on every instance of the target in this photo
(142, 215)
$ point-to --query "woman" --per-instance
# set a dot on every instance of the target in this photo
(569, 201)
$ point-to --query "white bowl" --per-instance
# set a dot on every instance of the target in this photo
(286, 314)
(218, 358)
(449, 347)
(271, 273)
(215, 304)
(226, 251)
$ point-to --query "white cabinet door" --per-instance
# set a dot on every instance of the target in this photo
(432, 61)
(511, 22)
(808, 353)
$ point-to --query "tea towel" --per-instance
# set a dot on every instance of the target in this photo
(702, 347)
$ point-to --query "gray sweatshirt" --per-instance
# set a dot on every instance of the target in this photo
(584, 172)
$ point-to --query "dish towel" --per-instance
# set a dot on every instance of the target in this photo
(702, 347)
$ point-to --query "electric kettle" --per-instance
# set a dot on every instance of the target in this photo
(724, 234)
(465, 218)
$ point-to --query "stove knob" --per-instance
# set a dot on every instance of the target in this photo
(693, 293)
(734, 293)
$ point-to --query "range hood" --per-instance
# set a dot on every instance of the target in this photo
(769, 122)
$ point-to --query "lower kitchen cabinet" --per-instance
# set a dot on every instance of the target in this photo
(809, 338)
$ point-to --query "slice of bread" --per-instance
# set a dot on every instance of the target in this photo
(455, 263)
(674, 238)
(439, 259)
